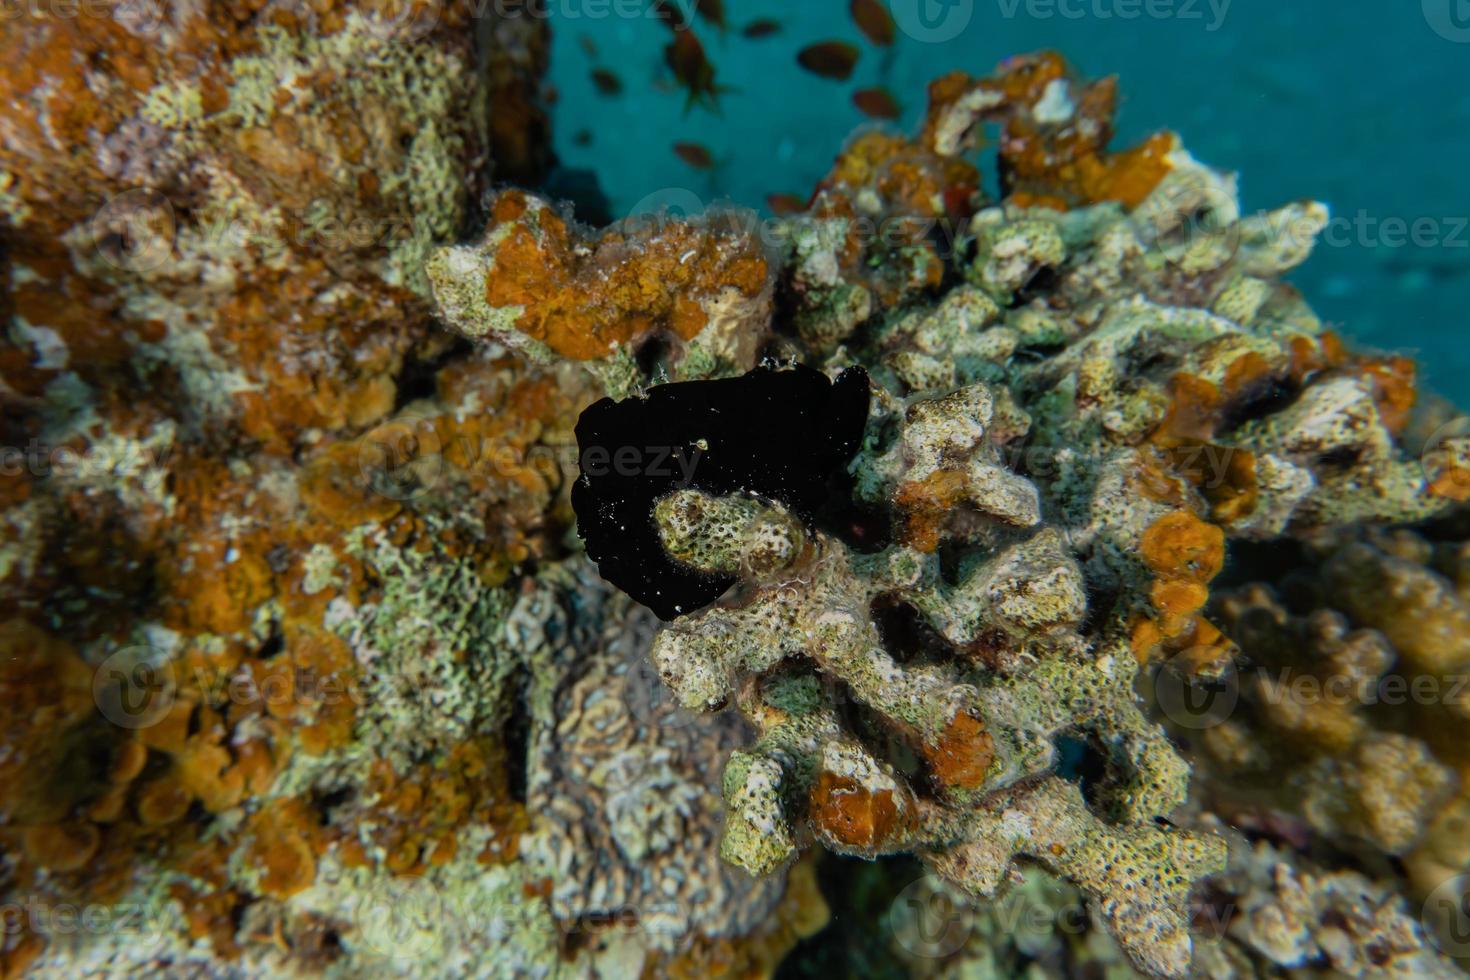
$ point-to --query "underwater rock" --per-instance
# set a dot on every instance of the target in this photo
(783, 435)
(624, 785)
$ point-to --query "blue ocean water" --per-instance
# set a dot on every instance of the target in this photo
(1362, 104)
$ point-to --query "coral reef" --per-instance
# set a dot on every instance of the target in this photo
(984, 724)
(1353, 688)
(1080, 408)
(690, 297)
(233, 206)
(306, 670)
(261, 553)
(1269, 911)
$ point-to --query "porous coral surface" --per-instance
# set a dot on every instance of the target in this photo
(305, 672)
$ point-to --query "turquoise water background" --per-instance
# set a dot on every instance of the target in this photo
(1361, 104)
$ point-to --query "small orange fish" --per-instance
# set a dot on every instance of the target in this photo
(589, 46)
(765, 27)
(696, 155)
(694, 72)
(669, 13)
(607, 83)
(874, 20)
(830, 59)
(712, 11)
(782, 205)
(877, 103)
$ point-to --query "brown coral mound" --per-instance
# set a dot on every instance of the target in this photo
(250, 250)
(1355, 714)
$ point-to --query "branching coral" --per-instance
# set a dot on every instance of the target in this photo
(1137, 389)
(978, 722)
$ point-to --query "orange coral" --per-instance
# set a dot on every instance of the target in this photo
(284, 838)
(926, 506)
(65, 847)
(1184, 553)
(416, 815)
(922, 197)
(584, 298)
(1056, 163)
(960, 757)
(76, 82)
(848, 813)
